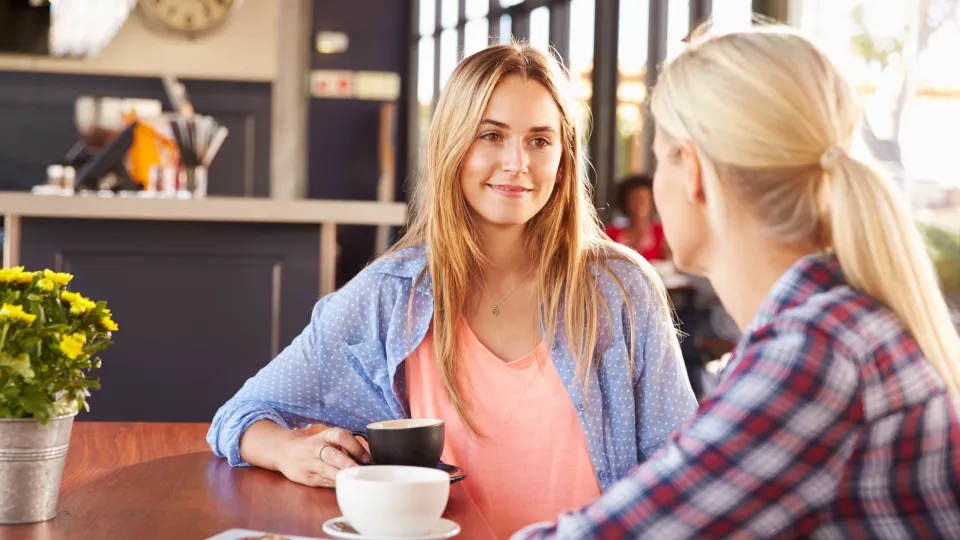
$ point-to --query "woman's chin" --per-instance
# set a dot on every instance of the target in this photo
(504, 220)
(691, 264)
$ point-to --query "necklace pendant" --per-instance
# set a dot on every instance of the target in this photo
(496, 310)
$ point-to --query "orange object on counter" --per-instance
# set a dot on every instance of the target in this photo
(149, 148)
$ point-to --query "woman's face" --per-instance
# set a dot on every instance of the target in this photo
(678, 193)
(512, 166)
(639, 204)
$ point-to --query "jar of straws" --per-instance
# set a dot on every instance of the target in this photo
(199, 138)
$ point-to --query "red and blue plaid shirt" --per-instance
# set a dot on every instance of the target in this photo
(828, 423)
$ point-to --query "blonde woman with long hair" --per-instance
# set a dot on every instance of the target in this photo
(836, 416)
(548, 351)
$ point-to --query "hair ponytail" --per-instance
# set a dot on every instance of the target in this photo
(883, 255)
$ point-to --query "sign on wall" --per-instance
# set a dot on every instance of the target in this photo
(325, 83)
(365, 85)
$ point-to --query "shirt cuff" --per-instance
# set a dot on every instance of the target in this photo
(531, 532)
(233, 428)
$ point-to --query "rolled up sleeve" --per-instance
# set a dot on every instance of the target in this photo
(286, 391)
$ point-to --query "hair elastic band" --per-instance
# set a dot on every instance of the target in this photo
(828, 160)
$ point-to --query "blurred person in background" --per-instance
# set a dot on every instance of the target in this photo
(837, 414)
(639, 231)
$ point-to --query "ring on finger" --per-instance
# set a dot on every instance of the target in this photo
(322, 448)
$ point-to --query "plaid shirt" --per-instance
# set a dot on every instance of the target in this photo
(828, 423)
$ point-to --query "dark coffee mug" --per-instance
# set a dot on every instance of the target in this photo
(417, 442)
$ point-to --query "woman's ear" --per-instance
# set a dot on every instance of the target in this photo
(693, 173)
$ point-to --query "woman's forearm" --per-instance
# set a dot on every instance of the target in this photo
(264, 442)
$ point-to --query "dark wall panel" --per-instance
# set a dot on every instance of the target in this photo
(201, 306)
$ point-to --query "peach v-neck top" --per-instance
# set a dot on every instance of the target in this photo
(531, 461)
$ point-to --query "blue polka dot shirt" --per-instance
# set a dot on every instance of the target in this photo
(345, 369)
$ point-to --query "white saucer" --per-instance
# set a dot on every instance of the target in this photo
(237, 534)
(444, 529)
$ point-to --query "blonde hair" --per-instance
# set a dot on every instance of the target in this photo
(566, 234)
(772, 120)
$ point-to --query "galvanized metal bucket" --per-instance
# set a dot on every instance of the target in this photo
(31, 466)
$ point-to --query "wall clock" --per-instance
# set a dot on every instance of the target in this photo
(190, 18)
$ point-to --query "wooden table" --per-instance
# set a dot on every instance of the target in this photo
(152, 480)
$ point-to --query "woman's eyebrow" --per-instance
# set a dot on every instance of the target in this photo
(501, 125)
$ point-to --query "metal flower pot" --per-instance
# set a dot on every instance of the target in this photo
(31, 466)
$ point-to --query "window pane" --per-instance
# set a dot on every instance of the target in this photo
(631, 86)
(449, 13)
(910, 95)
(428, 17)
(477, 8)
(678, 26)
(540, 28)
(425, 71)
(580, 63)
(475, 36)
(733, 15)
(632, 44)
(506, 28)
(508, 3)
(448, 54)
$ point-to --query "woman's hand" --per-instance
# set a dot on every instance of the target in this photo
(315, 460)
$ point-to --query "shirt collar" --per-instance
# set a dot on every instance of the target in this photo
(810, 275)
(407, 263)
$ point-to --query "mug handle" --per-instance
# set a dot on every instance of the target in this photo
(363, 436)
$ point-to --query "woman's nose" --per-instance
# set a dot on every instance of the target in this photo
(515, 159)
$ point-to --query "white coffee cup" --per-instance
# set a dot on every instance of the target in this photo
(391, 500)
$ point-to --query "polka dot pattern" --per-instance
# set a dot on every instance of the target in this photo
(344, 370)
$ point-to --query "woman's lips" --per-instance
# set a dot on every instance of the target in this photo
(509, 191)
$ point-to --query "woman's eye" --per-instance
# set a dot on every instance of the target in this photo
(493, 136)
(541, 142)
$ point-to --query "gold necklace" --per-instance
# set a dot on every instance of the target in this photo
(496, 307)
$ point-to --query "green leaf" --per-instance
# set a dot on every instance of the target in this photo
(35, 402)
(19, 365)
(56, 328)
(97, 346)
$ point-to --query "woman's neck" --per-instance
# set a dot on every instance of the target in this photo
(639, 227)
(506, 253)
(745, 270)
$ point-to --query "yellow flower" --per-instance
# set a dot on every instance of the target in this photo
(78, 304)
(10, 275)
(72, 345)
(109, 324)
(26, 277)
(45, 284)
(15, 313)
(60, 278)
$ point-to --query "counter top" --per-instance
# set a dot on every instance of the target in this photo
(224, 209)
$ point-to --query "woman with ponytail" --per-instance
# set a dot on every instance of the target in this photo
(547, 350)
(837, 415)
